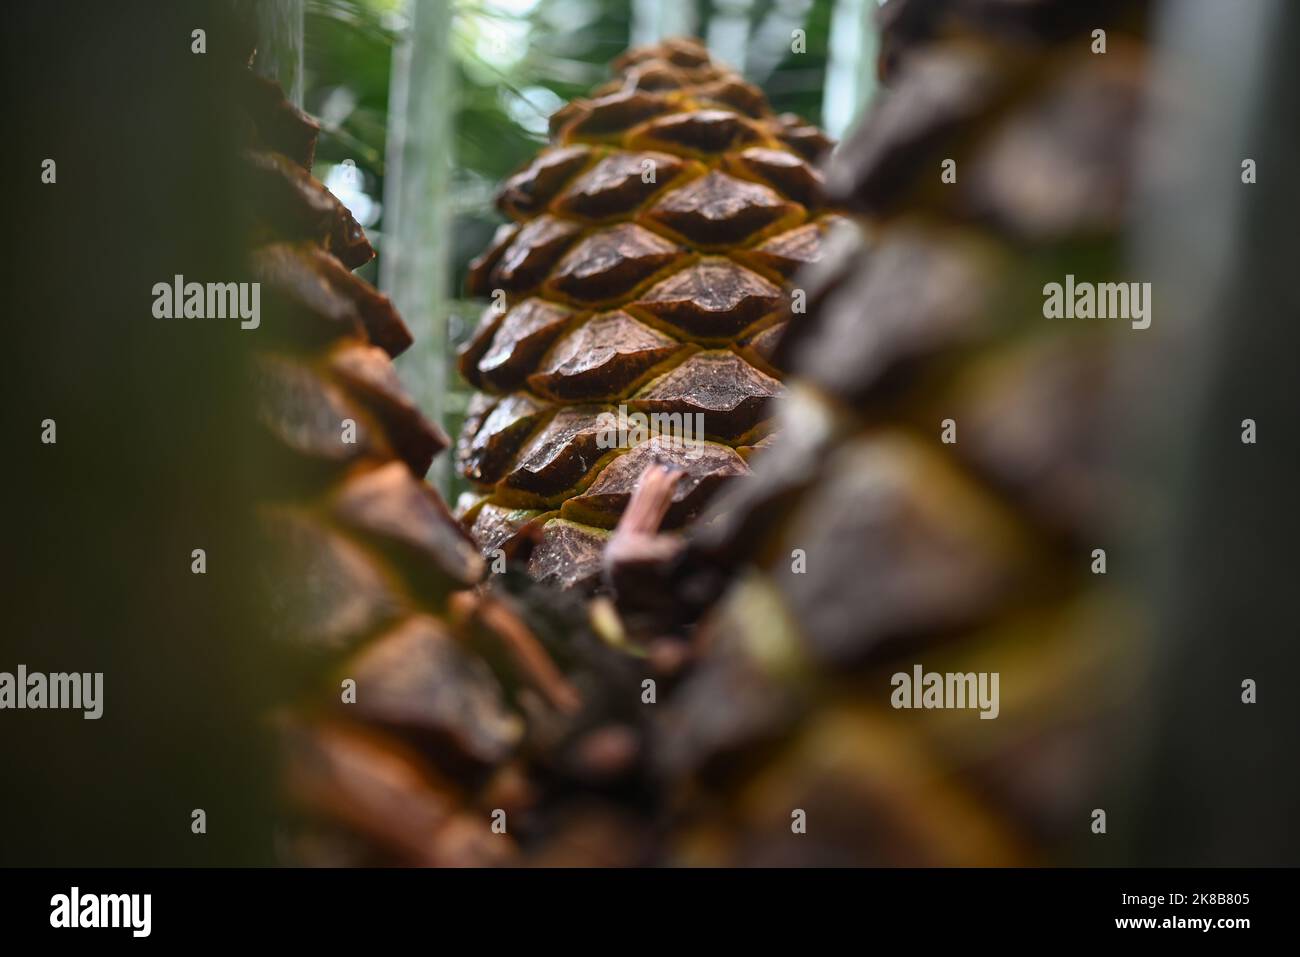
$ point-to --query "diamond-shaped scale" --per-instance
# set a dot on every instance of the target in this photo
(610, 115)
(719, 210)
(529, 191)
(787, 252)
(519, 341)
(496, 441)
(602, 358)
(612, 263)
(618, 184)
(703, 132)
(718, 385)
(479, 342)
(763, 344)
(652, 76)
(801, 136)
(558, 458)
(736, 94)
(480, 404)
(527, 260)
(478, 278)
(568, 555)
(713, 299)
(786, 171)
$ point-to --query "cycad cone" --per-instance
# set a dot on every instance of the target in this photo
(642, 272)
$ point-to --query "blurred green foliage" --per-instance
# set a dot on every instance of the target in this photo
(516, 62)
